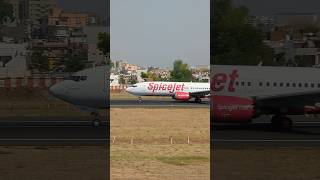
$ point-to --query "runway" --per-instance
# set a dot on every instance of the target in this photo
(304, 133)
(166, 103)
(65, 131)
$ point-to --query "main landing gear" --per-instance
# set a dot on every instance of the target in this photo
(139, 99)
(97, 121)
(197, 100)
(281, 122)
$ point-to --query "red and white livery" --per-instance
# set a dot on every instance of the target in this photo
(183, 91)
(241, 93)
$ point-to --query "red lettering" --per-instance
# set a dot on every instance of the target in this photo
(232, 77)
(178, 87)
(150, 87)
(169, 87)
(155, 87)
(218, 81)
(182, 87)
(164, 87)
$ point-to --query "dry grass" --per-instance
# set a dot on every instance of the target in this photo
(271, 163)
(151, 156)
(51, 163)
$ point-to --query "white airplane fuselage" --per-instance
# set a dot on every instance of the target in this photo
(261, 81)
(166, 88)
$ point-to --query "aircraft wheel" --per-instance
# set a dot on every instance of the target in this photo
(96, 123)
(283, 123)
(198, 100)
(286, 123)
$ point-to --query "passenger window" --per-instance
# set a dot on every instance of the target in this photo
(312, 85)
(268, 84)
(293, 84)
(281, 84)
(242, 83)
(260, 83)
(249, 83)
(288, 84)
(274, 84)
(305, 84)
(300, 85)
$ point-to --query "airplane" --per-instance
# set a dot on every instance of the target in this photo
(241, 93)
(87, 89)
(182, 91)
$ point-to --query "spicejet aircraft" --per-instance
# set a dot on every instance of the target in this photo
(182, 91)
(87, 90)
(241, 93)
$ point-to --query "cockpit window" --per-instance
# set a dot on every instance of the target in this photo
(76, 78)
(134, 85)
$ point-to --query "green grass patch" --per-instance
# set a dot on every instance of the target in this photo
(182, 160)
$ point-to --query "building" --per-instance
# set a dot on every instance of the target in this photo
(39, 11)
(114, 80)
(70, 19)
(13, 60)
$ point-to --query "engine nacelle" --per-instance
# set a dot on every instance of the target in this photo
(232, 109)
(182, 96)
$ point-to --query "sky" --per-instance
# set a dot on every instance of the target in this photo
(271, 7)
(157, 32)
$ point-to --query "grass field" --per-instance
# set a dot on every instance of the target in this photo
(142, 148)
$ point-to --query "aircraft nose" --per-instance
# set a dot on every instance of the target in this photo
(57, 90)
(129, 90)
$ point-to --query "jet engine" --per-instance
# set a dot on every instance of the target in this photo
(232, 109)
(183, 96)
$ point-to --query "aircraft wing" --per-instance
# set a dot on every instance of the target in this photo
(200, 94)
(293, 100)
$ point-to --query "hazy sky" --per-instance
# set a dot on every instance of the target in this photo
(270, 7)
(156, 32)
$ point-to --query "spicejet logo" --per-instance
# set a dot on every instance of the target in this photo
(219, 81)
(164, 86)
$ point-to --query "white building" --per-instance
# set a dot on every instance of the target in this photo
(13, 60)
(114, 80)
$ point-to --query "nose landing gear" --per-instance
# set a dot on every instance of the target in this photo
(281, 122)
(97, 121)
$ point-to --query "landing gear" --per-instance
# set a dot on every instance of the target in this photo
(97, 121)
(281, 122)
(139, 99)
(197, 100)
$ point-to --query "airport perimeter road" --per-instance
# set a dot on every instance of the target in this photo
(304, 133)
(52, 132)
(156, 103)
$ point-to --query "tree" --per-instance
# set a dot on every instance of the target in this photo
(39, 61)
(144, 75)
(104, 45)
(76, 63)
(233, 40)
(6, 12)
(180, 72)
